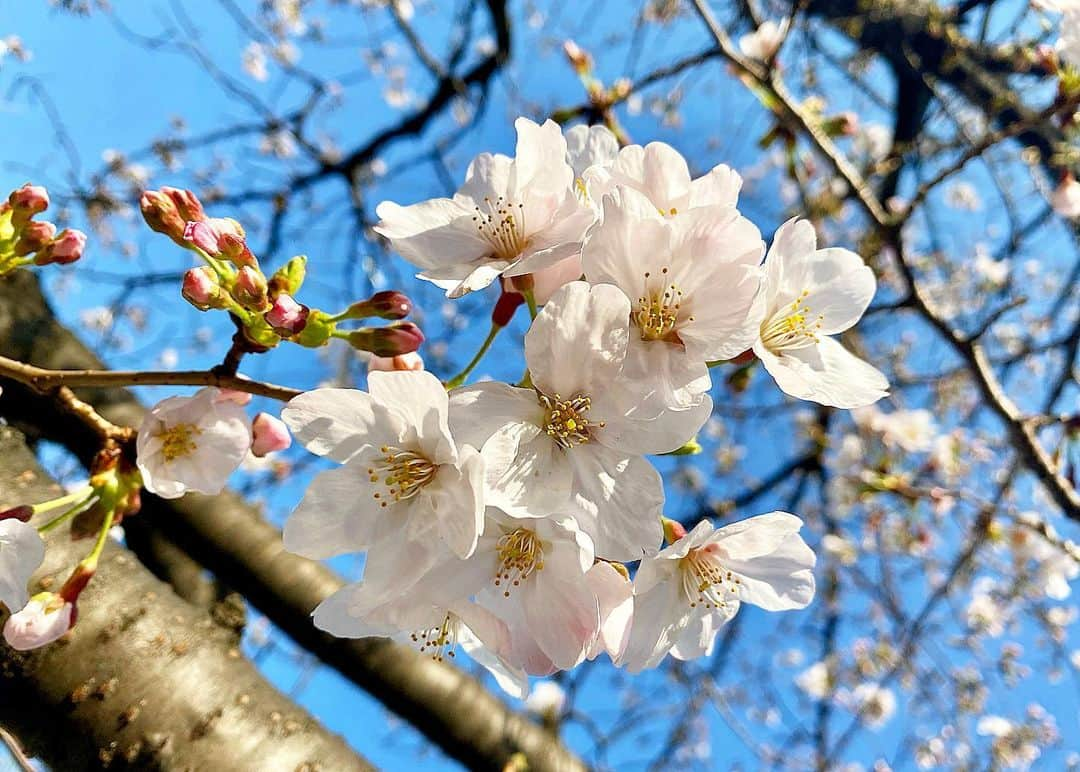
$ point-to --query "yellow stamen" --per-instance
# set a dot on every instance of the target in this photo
(521, 552)
(565, 420)
(402, 472)
(502, 225)
(178, 441)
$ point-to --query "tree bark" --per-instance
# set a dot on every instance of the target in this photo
(144, 680)
(233, 541)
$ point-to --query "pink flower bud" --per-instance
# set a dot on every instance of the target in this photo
(160, 212)
(410, 361)
(286, 316)
(202, 236)
(40, 622)
(389, 304)
(186, 203)
(250, 289)
(232, 395)
(34, 236)
(201, 288)
(268, 435)
(23, 512)
(391, 341)
(27, 201)
(508, 302)
(65, 248)
(673, 530)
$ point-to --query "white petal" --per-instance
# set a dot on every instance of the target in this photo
(419, 398)
(338, 514)
(720, 187)
(617, 501)
(431, 234)
(455, 499)
(698, 637)
(21, 553)
(338, 423)
(578, 341)
(615, 597)
(538, 481)
(479, 411)
(826, 373)
(773, 563)
(590, 145)
(560, 610)
(659, 614)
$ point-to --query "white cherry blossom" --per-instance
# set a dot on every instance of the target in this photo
(763, 43)
(192, 443)
(571, 444)
(693, 587)
(21, 552)
(402, 474)
(809, 295)
(512, 216)
(692, 281)
(44, 619)
(615, 597)
(661, 174)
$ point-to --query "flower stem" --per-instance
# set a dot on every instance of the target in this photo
(66, 515)
(530, 300)
(45, 506)
(459, 379)
(90, 561)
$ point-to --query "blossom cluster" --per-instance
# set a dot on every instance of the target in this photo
(506, 518)
(26, 241)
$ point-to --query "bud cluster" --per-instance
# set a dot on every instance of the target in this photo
(26, 241)
(266, 308)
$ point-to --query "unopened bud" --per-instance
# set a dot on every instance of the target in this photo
(65, 248)
(250, 289)
(23, 512)
(389, 304)
(410, 361)
(289, 277)
(579, 60)
(391, 341)
(161, 214)
(268, 435)
(216, 235)
(26, 202)
(673, 530)
(286, 316)
(505, 307)
(34, 236)
(201, 289)
(185, 202)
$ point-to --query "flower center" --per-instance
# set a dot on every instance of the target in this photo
(403, 472)
(565, 420)
(502, 225)
(178, 441)
(705, 580)
(439, 640)
(657, 312)
(520, 554)
(792, 327)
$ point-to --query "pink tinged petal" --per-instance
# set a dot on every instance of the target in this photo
(547, 281)
(629, 241)
(21, 553)
(269, 435)
(615, 598)
(462, 278)
(578, 341)
(561, 611)
(420, 401)
(511, 679)
(720, 187)
(433, 234)
(588, 146)
(337, 515)
(35, 625)
(333, 616)
(338, 423)
(617, 501)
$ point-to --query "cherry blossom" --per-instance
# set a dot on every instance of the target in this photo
(192, 444)
(694, 586)
(811, 294)
(512, 216)
(763, 43)
(570, 443)
(693, 281)
(661, 174)
(402, 472)
(21, 552)
(44, 619)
